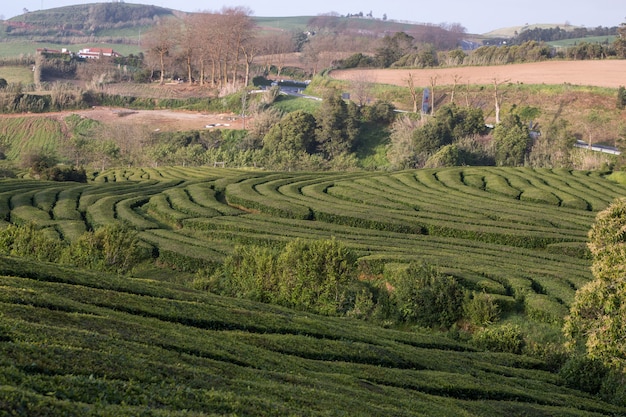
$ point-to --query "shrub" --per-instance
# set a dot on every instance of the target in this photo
(425, 296)
(315, 274)
(65, 174)
(481, 309)
(250, 272)
(309, 275)
(507, 338)
(113, 247)
(613, 388)
(584, 373)
(28, 241)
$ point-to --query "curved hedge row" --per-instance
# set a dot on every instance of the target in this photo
(475, 223)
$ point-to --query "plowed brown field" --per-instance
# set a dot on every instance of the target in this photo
(605, 73)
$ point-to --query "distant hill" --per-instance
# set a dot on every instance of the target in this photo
(84, 20)
(114, 20)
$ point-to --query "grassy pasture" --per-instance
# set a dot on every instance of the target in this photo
(76, 343)
(16, 48)
(17, 74)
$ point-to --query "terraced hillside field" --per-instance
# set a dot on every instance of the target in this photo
(516, 233)
(77, 343)
(74, 343)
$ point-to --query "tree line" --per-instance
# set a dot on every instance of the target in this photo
(558, 33)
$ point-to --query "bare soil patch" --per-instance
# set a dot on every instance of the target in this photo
(605, 73)
(162, 120)
(165, 120)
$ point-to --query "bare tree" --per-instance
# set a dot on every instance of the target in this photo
(414, 96)
(361, 87)
(160, 43)
(497, 96)
(433, 84)
(241, 27)
(455, 81)
(250, 50)
(186, 35)
(281, 44)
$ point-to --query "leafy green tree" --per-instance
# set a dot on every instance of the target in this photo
(316, 274)
(432, 136)
(511, 140)
(425, 296)
(552, 149)
(337, 126)
(451, 123)
(597, 321)
(294, 133)
(393, 48)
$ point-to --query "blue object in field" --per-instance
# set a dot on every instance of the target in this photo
(426, 101)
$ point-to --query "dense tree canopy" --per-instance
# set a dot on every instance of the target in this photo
(597, 320)
(511, 140)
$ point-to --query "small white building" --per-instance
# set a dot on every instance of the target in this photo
(96, 53)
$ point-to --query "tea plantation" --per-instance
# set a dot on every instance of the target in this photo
(80, 343)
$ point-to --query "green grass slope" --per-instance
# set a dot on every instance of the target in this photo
(74, 343)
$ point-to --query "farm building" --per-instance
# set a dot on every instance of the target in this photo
(96, 53)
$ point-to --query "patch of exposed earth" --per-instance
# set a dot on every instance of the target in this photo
(158, 120)
(601, 73)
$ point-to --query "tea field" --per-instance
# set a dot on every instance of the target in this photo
(75, 343)
(82, 343)
(517, 233)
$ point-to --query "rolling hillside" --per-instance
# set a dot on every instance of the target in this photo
(462, 220)
(80, 344)
(83, 343)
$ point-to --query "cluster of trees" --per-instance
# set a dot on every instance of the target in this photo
(324, 139)
(442, 37)
(457, 135)
(558, 33)
(211, 46)
(441, 140)
(322, 276)
(404, 50)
